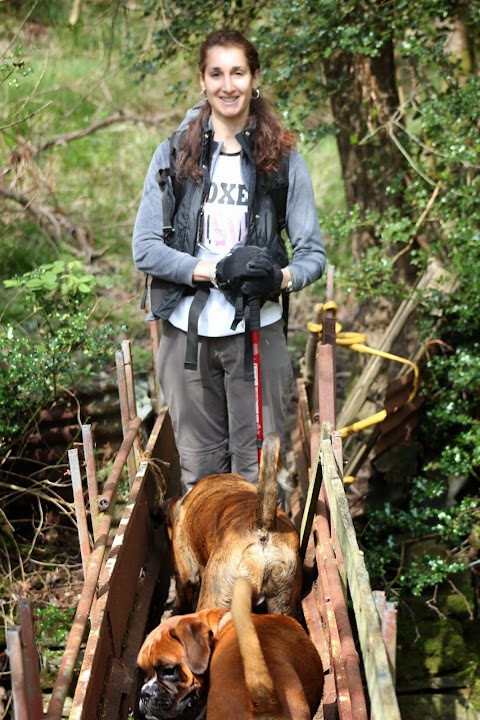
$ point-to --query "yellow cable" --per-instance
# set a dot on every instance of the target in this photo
(356, 341)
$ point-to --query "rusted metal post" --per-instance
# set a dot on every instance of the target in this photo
(155, 342)
(311, 347)
(125, 411)
(388, 620)
(92, 484)
(75, 637)
(19, 690)
(111, 484)
(132, 400)
(95, 564)
(310, 506)
(127, 362)
(30, 660)
(79, 504)
(326, 383)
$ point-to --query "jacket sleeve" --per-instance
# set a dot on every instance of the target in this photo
(302, 226)
(150, 253)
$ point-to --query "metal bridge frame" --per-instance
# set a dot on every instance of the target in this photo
(122, 577)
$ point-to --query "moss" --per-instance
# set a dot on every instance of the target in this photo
(460, 602)
(432, 707)
(440, 648)
(445, 649)
(475, 695)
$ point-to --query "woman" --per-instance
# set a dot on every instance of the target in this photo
(224, 250)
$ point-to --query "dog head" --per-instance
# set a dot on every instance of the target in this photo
(175, 659)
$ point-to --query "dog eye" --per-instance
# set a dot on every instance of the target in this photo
(168, 672)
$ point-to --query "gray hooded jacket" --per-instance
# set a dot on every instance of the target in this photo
(155, 257)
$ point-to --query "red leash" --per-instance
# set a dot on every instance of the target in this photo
(257, 379)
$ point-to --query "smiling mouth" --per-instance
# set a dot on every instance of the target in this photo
(229, 100)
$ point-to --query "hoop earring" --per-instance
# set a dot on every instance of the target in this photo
(257, 95)
(203, 94)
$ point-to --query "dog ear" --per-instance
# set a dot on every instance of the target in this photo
(144, 660)
(196, 638)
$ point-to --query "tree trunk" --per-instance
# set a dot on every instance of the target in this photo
(363, 100)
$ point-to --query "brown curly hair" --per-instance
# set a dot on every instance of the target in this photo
(272, 140)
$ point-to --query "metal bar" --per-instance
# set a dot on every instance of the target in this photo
(92, 484)
(132, 400)
(96, 683)
(310, 505)
(72, 648)
(315, 621)
(127, 362)
(124, 410)
(326, 383)
(155, 342)
(311, 347)
(338, 452)
(342, 644)
(107, 497)
(389, 630)
(122, 391)
(30, 660)
(19, 690)
(79, 503)
(387, 612)
(380, 685)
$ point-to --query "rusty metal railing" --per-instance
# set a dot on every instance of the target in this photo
(22, 653)
(329, 545)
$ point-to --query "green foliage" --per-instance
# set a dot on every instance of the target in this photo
(389, 531)
(13, 65)
(54, 342)
(54, 623)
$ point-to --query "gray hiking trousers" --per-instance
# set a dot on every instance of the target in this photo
(213, 408)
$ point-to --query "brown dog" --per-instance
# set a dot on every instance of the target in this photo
(224, 528)
(175, 658)
(263, 667)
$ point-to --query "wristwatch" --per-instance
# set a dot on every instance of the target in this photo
(289, 285)
(213, 276)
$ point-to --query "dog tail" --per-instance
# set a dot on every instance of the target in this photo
(267, 492)
(263, 696)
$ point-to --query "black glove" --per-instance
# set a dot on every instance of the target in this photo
(247, 261)
(263, 286)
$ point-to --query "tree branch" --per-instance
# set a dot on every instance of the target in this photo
(116, 117)
(55, 224)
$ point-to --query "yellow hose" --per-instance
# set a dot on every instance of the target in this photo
(356, 341)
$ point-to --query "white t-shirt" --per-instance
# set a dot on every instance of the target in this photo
(225, 225)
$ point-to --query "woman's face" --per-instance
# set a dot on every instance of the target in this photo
(228, 83)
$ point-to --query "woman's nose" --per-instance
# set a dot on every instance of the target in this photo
(227, 83)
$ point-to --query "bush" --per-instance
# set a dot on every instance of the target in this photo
(50, 341)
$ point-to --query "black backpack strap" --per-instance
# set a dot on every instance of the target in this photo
(143, 301)
(176, 142)
(161, 177)
(199, 302)
(285, 307)
(276, 184)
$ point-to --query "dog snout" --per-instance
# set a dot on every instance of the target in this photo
(155, 703)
